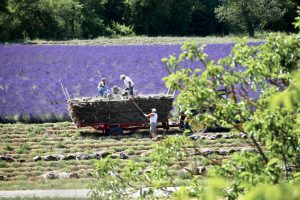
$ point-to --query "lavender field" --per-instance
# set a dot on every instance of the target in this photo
(30, 75)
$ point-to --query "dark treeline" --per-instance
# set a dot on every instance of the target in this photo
(67, 19)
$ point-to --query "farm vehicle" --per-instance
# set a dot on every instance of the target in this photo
(113, 116)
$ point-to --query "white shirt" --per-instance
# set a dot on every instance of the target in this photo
(127, 80)
(153, 119)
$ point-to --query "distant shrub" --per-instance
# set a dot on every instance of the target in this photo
(122, 29)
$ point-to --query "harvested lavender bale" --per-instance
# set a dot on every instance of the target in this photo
(88, 111)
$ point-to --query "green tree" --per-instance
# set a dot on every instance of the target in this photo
(204, 21)
(93, 23)
(52, 19)
(181, 15)
(251, 15)
(235, 92)
(150, 17)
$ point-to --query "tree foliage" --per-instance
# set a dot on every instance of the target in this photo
(235, 92)
(64, 19)
(252, 15)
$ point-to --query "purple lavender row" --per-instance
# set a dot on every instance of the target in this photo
(30, 75)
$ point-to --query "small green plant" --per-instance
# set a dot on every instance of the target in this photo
(130, 151)
(20, 150)
(60, 145)
(8, 147)
(26, 146)
(22, 177)
(2, 164)
(34, 130)
(16, 164)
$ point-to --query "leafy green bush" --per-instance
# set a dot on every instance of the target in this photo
(122, 29)
(272, 130)
(8, 147)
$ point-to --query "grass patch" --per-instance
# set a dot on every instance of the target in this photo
(8, 147)
(34, 130)
(22, 177)
(60, 145)
(143, 40)
(20, 150)
(2, 164)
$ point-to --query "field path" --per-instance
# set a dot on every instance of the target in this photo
(71, 193)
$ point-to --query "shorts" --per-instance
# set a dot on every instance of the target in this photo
(153, 127)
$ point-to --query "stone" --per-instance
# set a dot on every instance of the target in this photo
(222, 152)
(144, 154)
(2, 178)
(195, 136)
(86, 157)
(22, 160)
(114, 156)
(200, 170)
(59, 156)
(123, 156)
(7, 158)
(69, 157)
(114, 174)
(101, 154)
(89, 174)
(37, 158)
(206, 152)
(79, 156)
(226, 136)
(230, 151)
(219, 135)
(50, 158)
(203, 137)
(212, 137)
(50, 175)
(64, 175)
(74, 175)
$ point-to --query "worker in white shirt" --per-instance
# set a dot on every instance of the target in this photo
(128, 83)
(153, 122)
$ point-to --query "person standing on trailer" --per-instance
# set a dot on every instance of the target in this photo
(102, 89)
(153, 122)
(128, 83)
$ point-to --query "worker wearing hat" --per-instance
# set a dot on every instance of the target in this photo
(102, 89)
(128, 83)
(153, 122)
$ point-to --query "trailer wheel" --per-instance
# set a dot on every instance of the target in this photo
(115, 131)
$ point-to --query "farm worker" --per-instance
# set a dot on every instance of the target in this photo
(153, 122)
(128, 83)
(102, 89)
